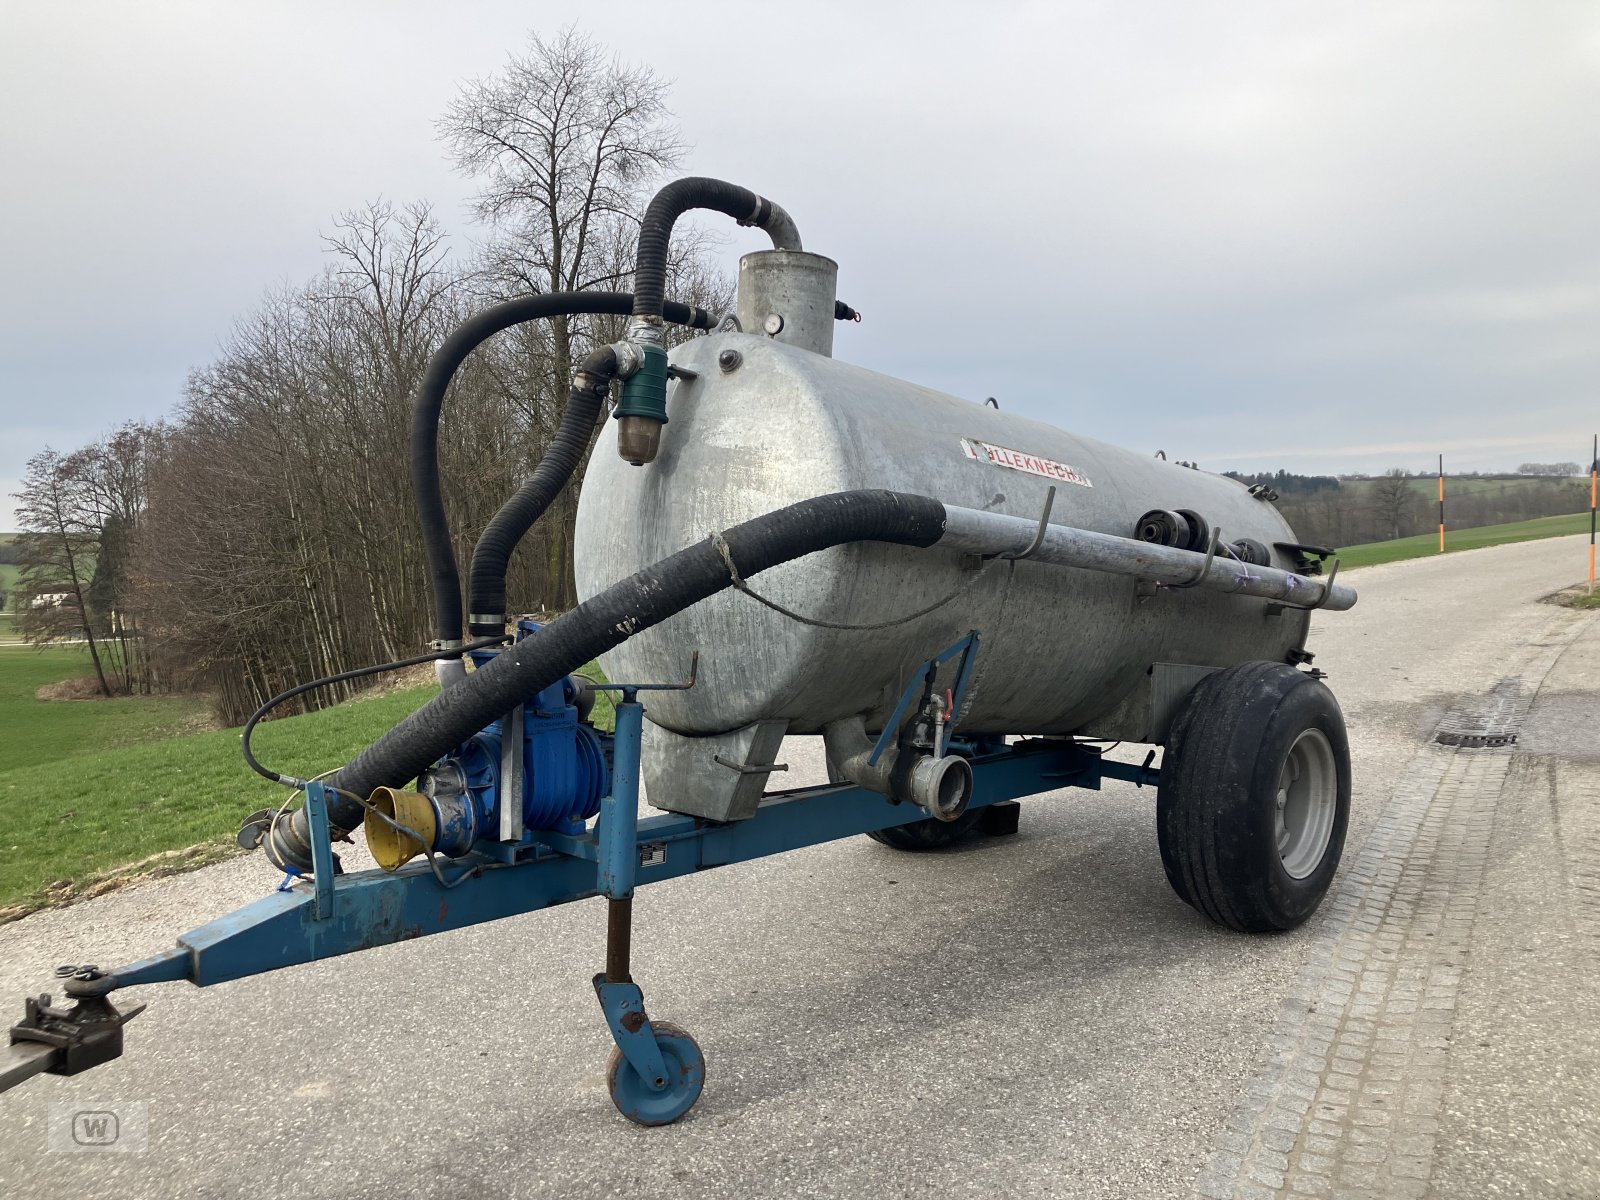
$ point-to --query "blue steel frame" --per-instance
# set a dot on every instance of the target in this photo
(330, 915)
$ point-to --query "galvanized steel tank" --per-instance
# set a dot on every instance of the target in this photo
(1060, 646)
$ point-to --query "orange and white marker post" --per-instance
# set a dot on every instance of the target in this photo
(1594, 475)
(1441, 504)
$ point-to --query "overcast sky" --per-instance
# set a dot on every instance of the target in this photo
(1325, 237)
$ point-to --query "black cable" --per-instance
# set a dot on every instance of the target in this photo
(358, 673)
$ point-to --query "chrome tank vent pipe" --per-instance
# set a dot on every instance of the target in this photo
(789, 295)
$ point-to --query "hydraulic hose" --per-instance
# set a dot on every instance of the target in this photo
(486, 582)
(677, 198)
(327, 681)
(429, 403)
(636, 603)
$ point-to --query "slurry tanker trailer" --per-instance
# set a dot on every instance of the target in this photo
(967, 606)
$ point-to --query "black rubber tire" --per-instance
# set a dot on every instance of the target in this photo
(921, 836)
(1215, 807)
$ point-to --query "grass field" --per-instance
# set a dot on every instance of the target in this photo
(87, 787)
(1427, 486)
(38, 731)
(8, 580)
(1425, 544)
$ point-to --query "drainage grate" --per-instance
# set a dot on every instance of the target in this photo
(1475, 740)
(1484, 722)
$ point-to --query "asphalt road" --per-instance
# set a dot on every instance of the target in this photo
(1035, 1015)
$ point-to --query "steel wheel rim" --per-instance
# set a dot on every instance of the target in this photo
(686, 1075)
(1305, 804)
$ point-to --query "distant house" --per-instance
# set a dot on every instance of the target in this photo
(53, 599)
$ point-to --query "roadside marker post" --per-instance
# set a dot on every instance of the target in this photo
(1440, 503)
(1594, 475)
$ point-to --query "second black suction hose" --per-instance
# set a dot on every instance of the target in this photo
(425, 413)
(640, 414)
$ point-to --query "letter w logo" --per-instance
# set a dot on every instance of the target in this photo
(94, 1128)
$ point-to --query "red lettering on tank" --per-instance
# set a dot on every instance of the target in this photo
(1003, 456)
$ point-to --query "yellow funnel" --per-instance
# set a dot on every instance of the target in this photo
(390, 847)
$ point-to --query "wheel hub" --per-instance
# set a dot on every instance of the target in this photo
(1307, 802)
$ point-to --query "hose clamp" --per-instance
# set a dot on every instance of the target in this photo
(645, 329)
(759, 215)
(630, 357)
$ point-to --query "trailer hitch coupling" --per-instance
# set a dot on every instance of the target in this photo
(64, 1041)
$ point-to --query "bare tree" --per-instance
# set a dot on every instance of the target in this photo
(278, 539)
(280, 542)
(1394, 498)
(114, 475)
(379, 325)
(566, 141)
(56, 551)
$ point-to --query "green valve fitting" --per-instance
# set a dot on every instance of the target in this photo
(642, 411)
(644, 393)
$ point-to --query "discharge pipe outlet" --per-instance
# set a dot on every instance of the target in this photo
(447, 823)
(943, 786)
(940, 784)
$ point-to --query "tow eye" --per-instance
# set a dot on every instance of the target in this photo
(65, 1041)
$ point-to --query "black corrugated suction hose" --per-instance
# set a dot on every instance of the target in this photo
(429, 403)
(486, 582)
(645, 598)
(677, 198)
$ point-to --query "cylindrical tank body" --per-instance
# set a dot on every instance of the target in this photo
(1060, 646)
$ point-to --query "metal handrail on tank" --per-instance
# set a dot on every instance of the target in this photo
(975, 532)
